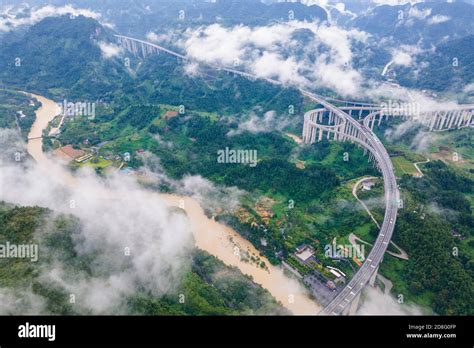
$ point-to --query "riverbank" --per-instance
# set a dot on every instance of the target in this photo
(215, 238)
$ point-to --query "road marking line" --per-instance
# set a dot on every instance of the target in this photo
(352, 293)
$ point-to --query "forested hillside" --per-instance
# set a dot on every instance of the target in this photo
(210, 287)
(435, 228)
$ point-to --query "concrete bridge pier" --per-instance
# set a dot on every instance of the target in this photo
(352, 309)
(372, 278)
(354, 305)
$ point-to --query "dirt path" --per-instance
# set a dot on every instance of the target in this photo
(418, 168)
(354, 193)
(401, 253)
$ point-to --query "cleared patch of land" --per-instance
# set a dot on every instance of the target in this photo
(403, 166)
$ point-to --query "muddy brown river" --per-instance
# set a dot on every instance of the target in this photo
(215, 238)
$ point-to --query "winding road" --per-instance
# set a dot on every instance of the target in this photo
(341, 303)
(367, 139)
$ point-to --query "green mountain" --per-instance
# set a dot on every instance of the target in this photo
(61, 54)
(449, 68)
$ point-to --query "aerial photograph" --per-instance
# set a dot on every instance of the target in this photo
(306, 164)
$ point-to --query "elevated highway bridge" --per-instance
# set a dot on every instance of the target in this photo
(346, 123)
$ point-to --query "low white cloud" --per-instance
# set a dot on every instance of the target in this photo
(257, 124)
(419, 14)
(402, 58)
(321, 3)
(109, 50)
(418, 99)
(151, 36)
(405, 55)
(192, 69)
(213, 197)
(137, 240)
(374, 302)
(12, 17)
(422, 141)
(20, 302)
(323, 58)
(437, 19)
(469, 88)
(396, 133)
(396, 2)
(434, 208)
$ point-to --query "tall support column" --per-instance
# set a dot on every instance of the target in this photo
(134, 48)
(372, 278)
(313, 134)
(435, 120)
(460, 117)
(432, 119)
(354, 305)
(452, 117)
(305, 127)
(446, 118)
(440, 120)
(465, 119)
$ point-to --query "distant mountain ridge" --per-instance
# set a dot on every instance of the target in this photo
(450, 67)
(426, 23)
(390, 28)
(136, 18)
(61, 57)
